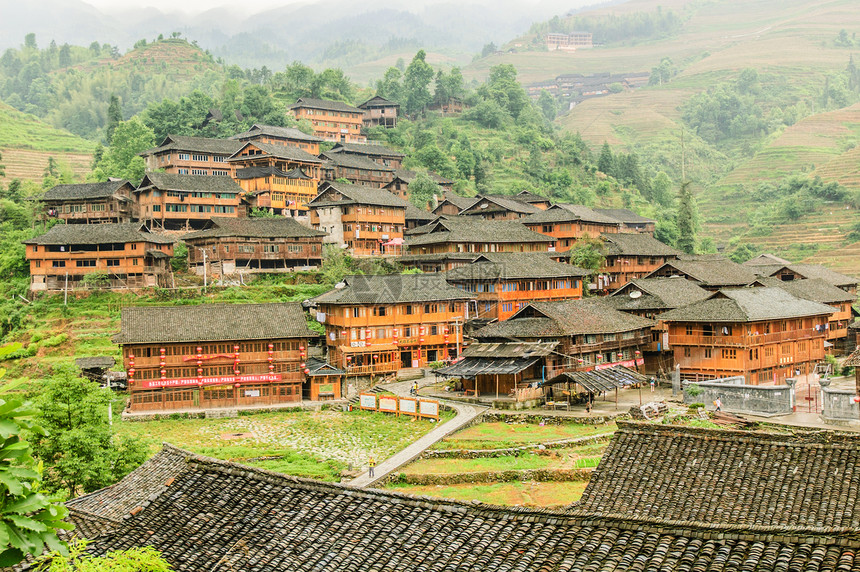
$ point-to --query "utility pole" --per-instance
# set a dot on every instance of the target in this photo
(205, 276)
(66, 290)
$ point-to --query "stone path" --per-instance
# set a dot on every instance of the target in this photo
(465, 414)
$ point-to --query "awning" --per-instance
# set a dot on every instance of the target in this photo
(394, 242)
(471, 367)
(599, 380)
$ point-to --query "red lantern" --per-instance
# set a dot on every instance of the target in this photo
(163, 374)
(307, 371)
(857, 399)
(303, 365)
(302, 348)
(637, 352)
(199, 371)
(580, 360)
(236, 386)
(599, 357)
(375, 356)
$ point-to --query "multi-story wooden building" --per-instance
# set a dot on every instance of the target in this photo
(332, 120)
(496, 207)
(89, 203)
(182, 155)
(567, 223)
(504, 283)
(214, 355)
(378, 324)
(253, 245)
(377, 153)
(113, 255)
(278, 192)
(416, 217)
(631, 220)
(762, 334)
(282, 157)
(356, 169)
(789, 272)
(629, 256)
(178, 202)
(403, 177)
(452, 205)
(474, 235)
(289, 136)
(367, 220)
(379, 112)
(711, 272)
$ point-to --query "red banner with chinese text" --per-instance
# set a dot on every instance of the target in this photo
(220, 380)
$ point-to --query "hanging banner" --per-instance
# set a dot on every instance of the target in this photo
(193, 381)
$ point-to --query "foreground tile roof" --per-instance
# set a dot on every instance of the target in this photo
(369, 149)
(191, 144)
(275, 131)
(358, 195)
(472, 229)
(327, 104)
(392, 289)
(83, 191)
(657, 294)
(636, 244)
(710, 270)
(747, 305)
(814, 289)
(514, 265)
(189, 183)
(117, 232)
(274, 227)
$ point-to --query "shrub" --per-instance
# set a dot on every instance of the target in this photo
(693, 407)
(694, 390)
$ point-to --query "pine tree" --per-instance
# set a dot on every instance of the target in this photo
(114, 117)
(605, 161)
(686, 219)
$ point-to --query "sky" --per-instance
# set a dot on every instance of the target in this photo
(190, 6)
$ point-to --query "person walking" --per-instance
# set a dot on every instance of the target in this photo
(718, 403)
(371, 464)
(414, 388)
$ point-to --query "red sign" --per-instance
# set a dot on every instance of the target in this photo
(627, 363)
(192, 381)
(206, 357)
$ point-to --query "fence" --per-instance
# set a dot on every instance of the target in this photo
(840, 405)
(742, 398)
(414, 407)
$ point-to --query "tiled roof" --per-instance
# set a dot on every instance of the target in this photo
(351, 161)
(392, 289)
(274, 131)
(195, 144)
(258, 172)
(731, 478)
(747, 305)
(458, 201)
(806, 271)
(408, 176)
(357, 194)
(814, 289)
(561, 212)
(96, 362)
(217, 515)
(658, 294)
(275, 150)
(65, 234)
(636, 244)
(766, 259)
(212, 322)
(710, 271)
(309, 102)
(377, 100)
(625, 216)
(473, 229)
(414, 213)
(276, 227)
(513, 265)
(565, 318)
(190, 183)
(508, 203)
(367, 149)
(84, 191)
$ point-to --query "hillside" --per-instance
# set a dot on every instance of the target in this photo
(26, 143)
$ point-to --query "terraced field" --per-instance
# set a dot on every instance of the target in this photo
(844, 168)
(30, 164)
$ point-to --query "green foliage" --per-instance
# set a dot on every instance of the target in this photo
(612, 28)
(663, 73)
(687, 219)
(336, 264)
(694, 390)
(694, 407)
(416, 84)
(547, 105)
(179, 260)
(144, 559)
(587, 254)
(422, 190)
(743, 252)
(121, 159)
(261, 213)
(97, 279)
(79, 450)
(114, 117)
(28, 518)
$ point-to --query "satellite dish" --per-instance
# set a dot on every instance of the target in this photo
(340, 285)
(635, 294)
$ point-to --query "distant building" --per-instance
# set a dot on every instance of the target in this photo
(452, 204)
(89, 203)
(357, 169)
(711, 272)
(569, 42)
(254, 245)
(377, 153)
(403, 177)
(567, 223)
(631, 220)
(379, 112)
(631, 256)
(178, 202)
(416, 217)
(332, 120)
(183, 155)
(124, 255)
(499, 207)
(452, 106)
(789, 272)
(289, 136)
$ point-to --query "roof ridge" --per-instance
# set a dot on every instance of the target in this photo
(798, 437)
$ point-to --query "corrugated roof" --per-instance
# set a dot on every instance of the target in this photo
(310, 102)
(195, 144)
(393, 289)
(357, 194)
(276, 227)
(67, 234)
(212, 322)
(514, 265)
(473, 229)
(189, 183)
(747, 305)
(292, 133)
(636, 244)
(84, 191)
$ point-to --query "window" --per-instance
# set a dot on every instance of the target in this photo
(184, 156)
(220, 172)
(156, 208)
(112, 261)
(219, 159)
(271, 248)
(590, 339)
(198, 171)
(708, 353)
(507, 307)
(59, 264)
(608, 337)
(768, 352)
(379, 311)
(380, 333)
(434, 330)
(85, 263)
(182, 171)
(730, 353)
(408, 310)
(689, 329)
(686, 352)
(355, 312)
(200, 157)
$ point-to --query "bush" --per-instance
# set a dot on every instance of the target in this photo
(437, 365)
(97, 279)
(694, 407)
(694, 390)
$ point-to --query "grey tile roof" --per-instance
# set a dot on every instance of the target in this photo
(217, 515)
(710, 271)
(189, 183)
(367, 149)
(625, 216)
(766, 259)
(259, 129)
(408, 176)
(740, 478)
(377, 100)
(824, 273)
(636, 244)
(508, 203)
(84, 191)
(275, 150)
(351, 161)
(473, 230)
(96, 362)
(814, 289)
(212, 322)
(65, 234)
(312, 103)
(392, 289)
(658, 294)
(565, 318)
(277, 227)
(195, 144)
(747, 305)
(458, 201)
(414, 213)
(257, 172)
(513, 265)
(561, 212)
(357, 194)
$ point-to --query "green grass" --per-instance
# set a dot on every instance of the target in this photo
(498, 435)
(19, 130)
(555, 459)
(535, 494)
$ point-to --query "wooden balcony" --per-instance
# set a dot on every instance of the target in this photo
(743, 340)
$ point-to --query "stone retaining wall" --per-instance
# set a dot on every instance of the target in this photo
(542, 475)
(839, 406)
(511, 451)
(764, 400)
(536, 418)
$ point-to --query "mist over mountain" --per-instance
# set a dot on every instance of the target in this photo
(325, 32)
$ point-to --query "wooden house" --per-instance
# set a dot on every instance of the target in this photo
(440, 262)
(416, 217)
(399, 185)
(453, 205)
(381, 323)
(474, 235)
(789, 272)
(332, 120)
(289, 136)
(451, 106)
(183, 155)
(586, 334)
(377, 153)
(278, 192)
(282, 157)
(357, 169)
(117, 255)
(379, 112)
(711, 272)
(631, 220)
(325, 381)
(766, 259)
(567, 223)
(179, 202)
(762, 334)
(366, 220)
(630, 256)
(89, 203)
(503, 283)
(497, 207)
(254, 245)
(214, 355)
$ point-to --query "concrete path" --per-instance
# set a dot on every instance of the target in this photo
(465, 414)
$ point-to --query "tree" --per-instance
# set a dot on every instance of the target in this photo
(2, 170)
(416, 84)
(144, 559)
(80, 451)
(488, 50)
(179, 261)
(587, 254)
(686, 219)
(547, 105)
(661, 187)
(605, 160)
(121, 158)
(28, 518)
(422, 189)
(65, 56)
(502, 87)
(30, 42)
(114, 117)
(336, 264)
(390, 86)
